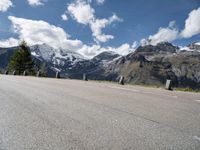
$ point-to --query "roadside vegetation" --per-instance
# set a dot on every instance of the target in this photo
(187, 90)
(21, 61)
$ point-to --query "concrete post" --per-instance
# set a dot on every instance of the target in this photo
(57, 75)
(38, 74)
(168, 85)
(24, 73)
(121, 80)
(14, 73)
(85, 78)
(6, 72)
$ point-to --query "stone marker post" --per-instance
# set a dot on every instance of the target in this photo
(57, 75)
(168, 85)
(85, 78)
(121, 80)
(24, 73)
(38, 74)
(14, 73)
(6, 72)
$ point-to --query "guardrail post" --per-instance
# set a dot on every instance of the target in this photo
(57, 75)
(168, 85)
(6, 72)
(14, 73)
(85, 78)
(24, 73)
(38, 74)
(121, 80)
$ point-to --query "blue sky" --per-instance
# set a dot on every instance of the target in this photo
(98, 25)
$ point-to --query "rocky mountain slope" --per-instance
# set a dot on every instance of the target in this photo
(152, 65)
(149, 64)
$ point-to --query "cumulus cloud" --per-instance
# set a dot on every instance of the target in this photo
(167, 34)
(64, 17)
(93, 50)
(192, 24)
(39, 32)
(5, 5)
(36, 2)
(98, 24)
(100, 1)
(11, 42)
(124, 49)
(83, 13)
(171, 33)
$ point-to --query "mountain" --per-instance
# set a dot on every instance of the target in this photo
(161, 48)
(150, 65)
(50, 60)
(57, 59)
(194, 46)
(5, 54)
(92, 67)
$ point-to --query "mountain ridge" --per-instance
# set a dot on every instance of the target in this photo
(148, 64)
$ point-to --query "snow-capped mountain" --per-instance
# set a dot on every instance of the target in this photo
(69, 63)
(58, 59)
(43, 52)
(105, 58)
(193, 47)
(54, 56)
(146, 65)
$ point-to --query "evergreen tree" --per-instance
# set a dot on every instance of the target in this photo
(22, 60)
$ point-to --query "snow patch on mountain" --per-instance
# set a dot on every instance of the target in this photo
(189, 49)
(197, 43)
(55, 56)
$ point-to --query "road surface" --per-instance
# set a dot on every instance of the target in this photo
(53, 114)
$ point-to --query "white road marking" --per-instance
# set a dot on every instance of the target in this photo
(138, 91)
(197, 101)
(197, 138)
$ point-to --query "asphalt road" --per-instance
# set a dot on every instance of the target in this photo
(53, 114)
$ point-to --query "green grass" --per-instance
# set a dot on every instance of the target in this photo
(187, 90)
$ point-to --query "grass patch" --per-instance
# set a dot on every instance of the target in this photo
(187, 90)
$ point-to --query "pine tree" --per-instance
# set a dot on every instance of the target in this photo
(22, 60)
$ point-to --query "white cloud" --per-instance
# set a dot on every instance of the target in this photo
(167, 34)
(83, 13)
(64, 17)
(124, 49)
(98, 24)
(192, 24)
(91, 51)
(36, 2)
(5, 4)
(39, 32)
(11, 42)
(100, 1)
